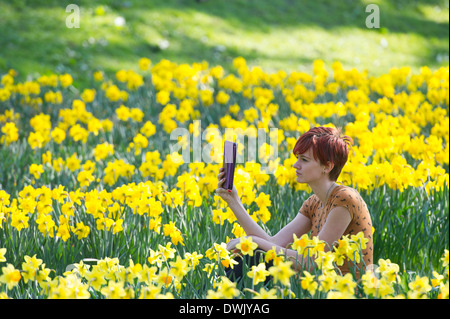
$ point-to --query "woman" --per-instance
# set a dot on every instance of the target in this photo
(330, 213)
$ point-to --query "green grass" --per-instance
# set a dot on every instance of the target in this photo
(275, 35)
(411, 228)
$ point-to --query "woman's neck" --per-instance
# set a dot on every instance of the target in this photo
(323, 189)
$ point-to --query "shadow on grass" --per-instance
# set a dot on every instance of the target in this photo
(44, 41)
(400, 16)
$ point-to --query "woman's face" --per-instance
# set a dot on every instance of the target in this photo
(307, 168)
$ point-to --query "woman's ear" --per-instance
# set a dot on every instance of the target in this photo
(329, 167)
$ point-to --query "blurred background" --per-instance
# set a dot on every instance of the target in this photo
(276, 35)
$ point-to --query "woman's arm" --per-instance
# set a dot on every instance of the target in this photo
(290, 254)
(337, 222)
(335, 225)
(299, 225)
(231, 197)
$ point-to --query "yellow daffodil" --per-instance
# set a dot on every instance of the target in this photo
(10, 276)
(308, 282)
(266, 294)
(258, 273)
(282, 272)
(246, 246)
(2, 254)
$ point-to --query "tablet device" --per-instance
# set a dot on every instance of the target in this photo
(229, 163)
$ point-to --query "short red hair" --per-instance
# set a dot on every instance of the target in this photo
(327, 145)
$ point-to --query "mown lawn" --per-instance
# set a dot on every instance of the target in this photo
(92, 204)
(275, 35)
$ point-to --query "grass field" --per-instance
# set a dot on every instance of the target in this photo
(93, 182)
(94, 203)
(275, 35)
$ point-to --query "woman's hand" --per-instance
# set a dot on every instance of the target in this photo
(231, 245)
(229, 196)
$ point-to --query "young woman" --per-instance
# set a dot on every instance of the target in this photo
(330, 213)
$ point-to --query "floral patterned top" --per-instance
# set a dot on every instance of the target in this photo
(360, 217)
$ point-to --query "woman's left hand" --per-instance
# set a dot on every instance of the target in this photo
(231, 245)
(229, 196)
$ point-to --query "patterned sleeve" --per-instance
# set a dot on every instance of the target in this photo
(349, 199)
(305, 210)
